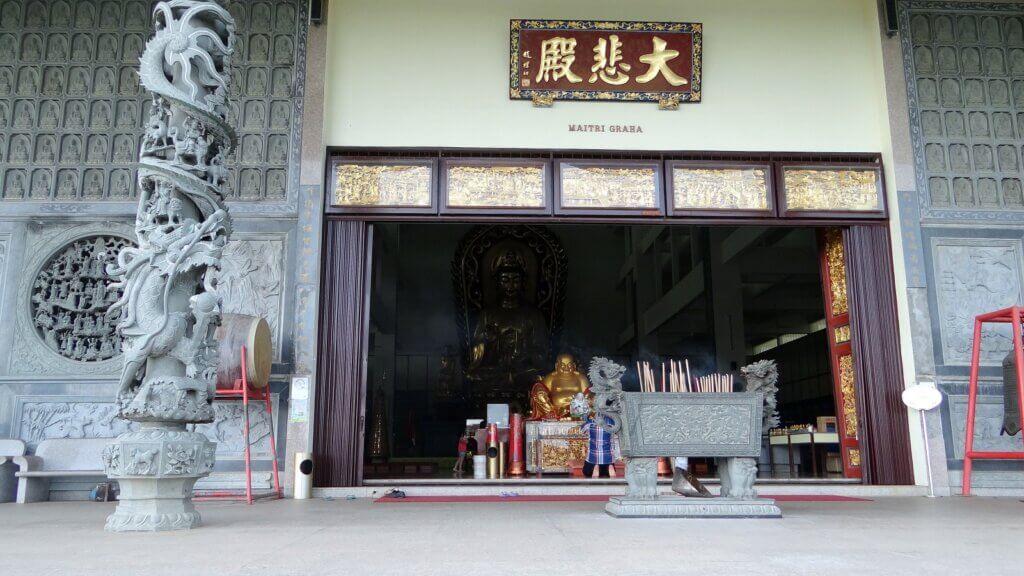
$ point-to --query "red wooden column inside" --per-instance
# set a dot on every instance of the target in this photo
(837, 318)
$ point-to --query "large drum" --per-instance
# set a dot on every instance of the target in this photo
(235, 331)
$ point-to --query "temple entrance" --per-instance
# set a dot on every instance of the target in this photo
(473, 323)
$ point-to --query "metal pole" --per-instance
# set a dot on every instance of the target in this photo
(927, 456)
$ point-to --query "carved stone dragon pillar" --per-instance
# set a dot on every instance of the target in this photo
(169, 310)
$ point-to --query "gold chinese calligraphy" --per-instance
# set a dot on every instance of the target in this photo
(589, 60)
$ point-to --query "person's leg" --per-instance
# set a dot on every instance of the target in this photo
(602, 471)
(588, 469)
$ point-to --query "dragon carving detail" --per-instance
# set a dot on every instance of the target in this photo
(169, 309)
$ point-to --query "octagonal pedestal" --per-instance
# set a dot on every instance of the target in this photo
(156, 468)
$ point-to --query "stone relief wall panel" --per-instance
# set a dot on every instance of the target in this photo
(37, 418)
(965, 76)
(973, 276)
(72, 112)
(252, 280)
(37, 317)
(987, 425)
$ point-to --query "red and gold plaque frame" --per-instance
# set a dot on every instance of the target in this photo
(605, 60)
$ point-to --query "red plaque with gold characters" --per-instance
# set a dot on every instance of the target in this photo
(601, 60)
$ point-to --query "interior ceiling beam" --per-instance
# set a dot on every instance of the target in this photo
(778, 261)
(679, 297)
(739, 240)
(784, 303)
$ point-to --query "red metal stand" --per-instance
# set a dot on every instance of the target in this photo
(242, 390)
(1012, 316)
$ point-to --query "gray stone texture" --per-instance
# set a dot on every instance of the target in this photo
(962, 228)
(682, 507)
(267, 111)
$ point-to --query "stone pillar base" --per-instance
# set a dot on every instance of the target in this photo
(156, 469)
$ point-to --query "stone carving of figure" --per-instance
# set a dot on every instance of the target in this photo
(45, 153)
(72, 152)
(48, 114)
(7, 49)
(15, 185)
(57, 49)
(282, 82)
(169, 310)
(279, 112)
(19, 150)
(41, 185)
(78, 84)
(31, 48)
(97, 150)
(261, 17)
(104, 85)
(24, 114)
(28, 82)
(53, 82)
(257, 83)
(66, 187)
(123, 149)
(283, 52)
(81, 48)
(551, 396)
(510, 341)
(259, 48)
(6, 82)
(128, 84)
(132, 48)
(126, 116)
(100, 115)
(278, 151)
(119, 184)
(60, 14)
(275, 184)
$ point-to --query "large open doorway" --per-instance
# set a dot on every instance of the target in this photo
(719, 296)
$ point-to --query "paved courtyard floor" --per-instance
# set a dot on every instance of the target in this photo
(890, 536)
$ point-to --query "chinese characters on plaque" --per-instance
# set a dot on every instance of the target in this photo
(590, 60)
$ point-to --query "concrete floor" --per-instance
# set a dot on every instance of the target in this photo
(890, 536)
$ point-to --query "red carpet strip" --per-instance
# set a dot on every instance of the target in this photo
(586, 498)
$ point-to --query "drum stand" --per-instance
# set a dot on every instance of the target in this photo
(242, 390)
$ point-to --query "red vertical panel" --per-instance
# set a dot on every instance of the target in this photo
(837, 317)
(339, 398)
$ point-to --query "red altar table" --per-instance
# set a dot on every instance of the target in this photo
(1013, 316)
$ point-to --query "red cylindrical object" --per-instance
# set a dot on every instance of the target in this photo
(516, 466)
(492, 433)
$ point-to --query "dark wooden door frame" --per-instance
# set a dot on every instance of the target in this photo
(340, 394)
(340, 391)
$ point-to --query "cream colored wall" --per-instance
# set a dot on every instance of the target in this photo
(779, 75)
(783, 75)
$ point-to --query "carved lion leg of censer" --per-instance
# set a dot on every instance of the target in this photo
(169, 311)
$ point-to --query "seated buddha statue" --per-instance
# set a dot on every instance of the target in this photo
(510, 342)
(552, 395)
